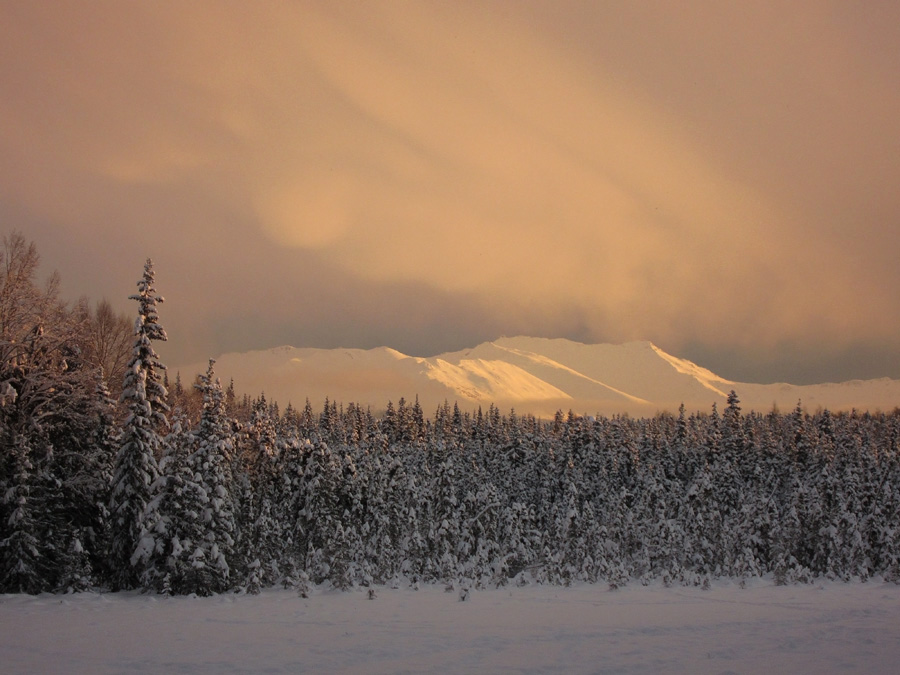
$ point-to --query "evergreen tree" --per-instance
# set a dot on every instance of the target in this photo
(78, 473)
(42, 393)
(173, 522)
(23, 565)
(262, 531)
(212, 463)
(136, 467)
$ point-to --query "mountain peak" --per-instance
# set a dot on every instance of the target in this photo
(534, 375)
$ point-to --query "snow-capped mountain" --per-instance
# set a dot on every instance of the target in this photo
(534, 375)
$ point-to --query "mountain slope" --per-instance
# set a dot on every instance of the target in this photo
(534, 375)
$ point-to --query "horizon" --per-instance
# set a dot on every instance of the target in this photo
(343, 347)
(533, 376)
(718, 180)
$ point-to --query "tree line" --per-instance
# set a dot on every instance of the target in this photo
(180, 491)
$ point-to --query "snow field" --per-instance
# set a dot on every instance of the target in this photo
(828, 627)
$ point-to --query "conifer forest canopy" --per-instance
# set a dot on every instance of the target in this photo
(182, 489)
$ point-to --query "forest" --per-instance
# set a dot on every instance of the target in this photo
(112, 477)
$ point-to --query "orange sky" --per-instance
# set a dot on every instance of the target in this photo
(719, 178)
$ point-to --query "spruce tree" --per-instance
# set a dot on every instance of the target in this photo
(212, 462)
(23, 562)
(173, 518)
(262, 534)
(136, 467)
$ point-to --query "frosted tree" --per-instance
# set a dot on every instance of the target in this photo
(288, 507)
(84, 439)
(104, 442)
(43, 397)
(520, 542)
(480, 530)
(173, 519)
(262, 534)
(317, 529)
(393, 530)
(22, 562)
(444, 521)
(141, 443)
(212, 463)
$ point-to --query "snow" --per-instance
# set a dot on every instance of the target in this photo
(821, 628)
(492, 380)
(702, 375)
(570, 382)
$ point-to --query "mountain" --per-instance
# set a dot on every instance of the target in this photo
(533, 375)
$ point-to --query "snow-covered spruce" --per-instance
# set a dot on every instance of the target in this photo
(136, 470)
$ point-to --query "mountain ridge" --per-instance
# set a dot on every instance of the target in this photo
(533, 375)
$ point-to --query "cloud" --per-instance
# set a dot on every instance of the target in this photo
(524, 173)
(702, 175)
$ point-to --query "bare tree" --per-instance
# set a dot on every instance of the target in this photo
(108, 342)
(24, 306)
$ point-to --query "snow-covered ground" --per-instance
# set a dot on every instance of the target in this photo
(827, 627)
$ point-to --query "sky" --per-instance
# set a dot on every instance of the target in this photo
(719, 178)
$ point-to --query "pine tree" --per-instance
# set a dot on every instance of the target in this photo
(136, 467)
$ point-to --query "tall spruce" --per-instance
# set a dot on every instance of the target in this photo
(136, 467)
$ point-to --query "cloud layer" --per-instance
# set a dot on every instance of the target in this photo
(720, 179)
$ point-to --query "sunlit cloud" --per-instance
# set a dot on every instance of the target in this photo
(706, 174)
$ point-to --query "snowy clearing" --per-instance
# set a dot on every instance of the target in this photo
(826, 627)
